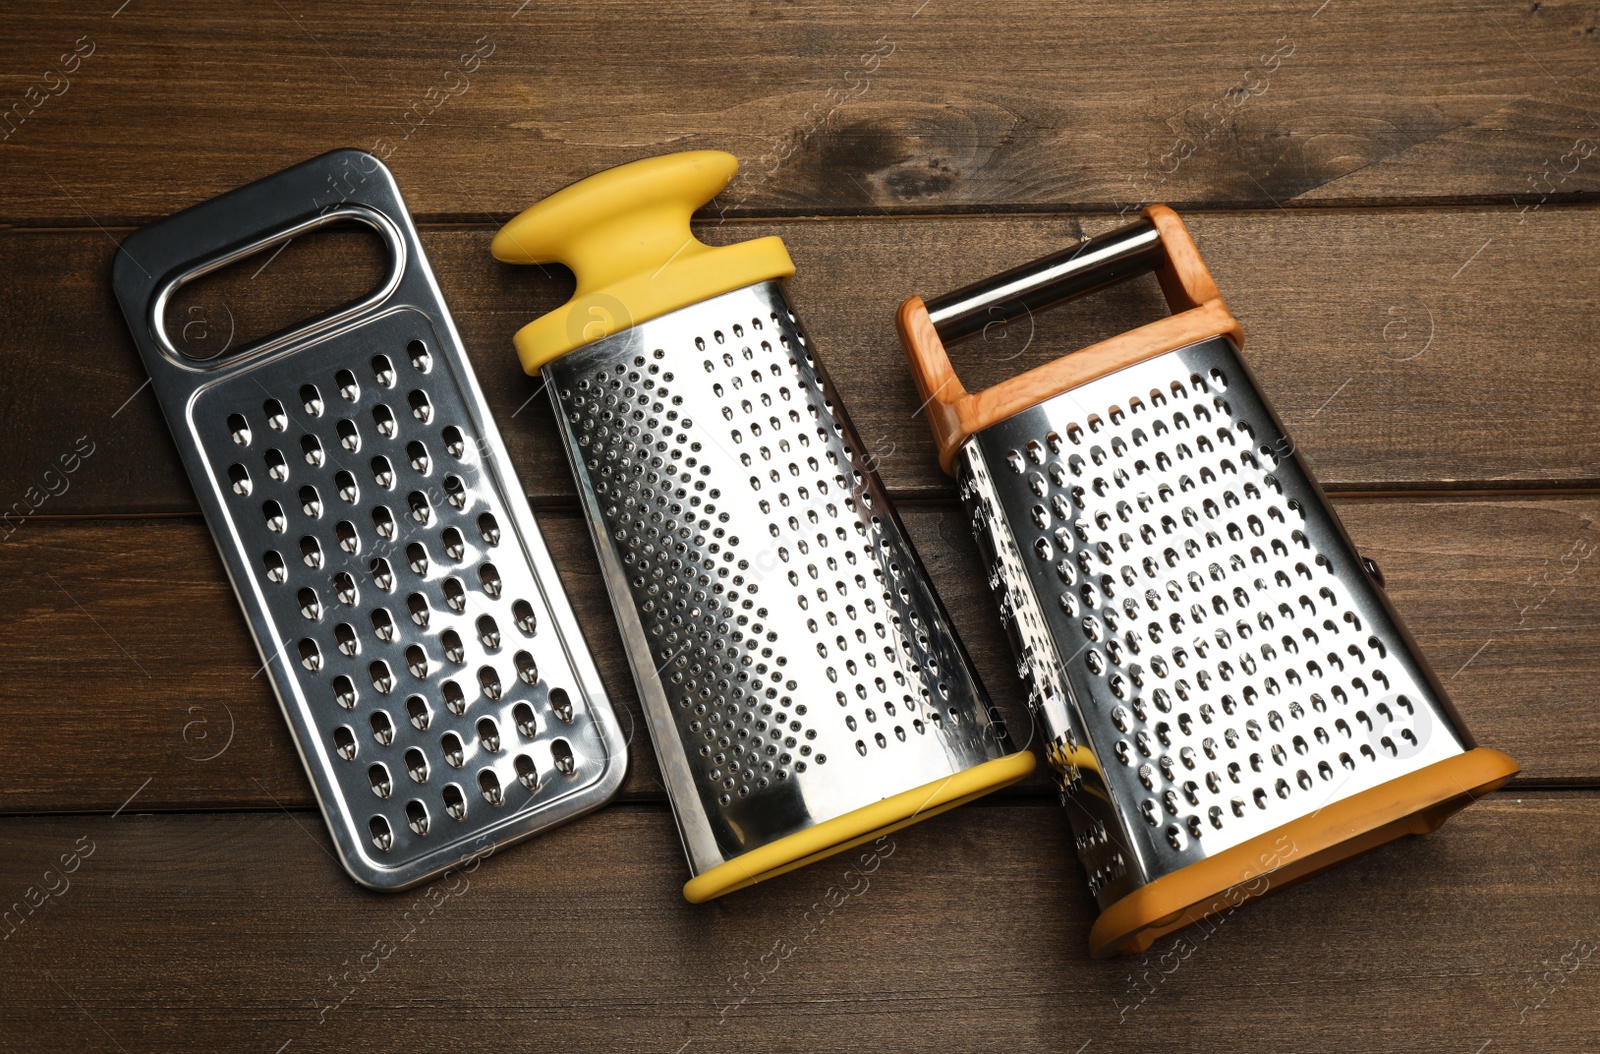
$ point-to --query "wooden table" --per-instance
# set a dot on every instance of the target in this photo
(1397, 201)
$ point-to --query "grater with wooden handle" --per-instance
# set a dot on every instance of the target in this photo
(412, 625)
(802, 684)
(1229, 699)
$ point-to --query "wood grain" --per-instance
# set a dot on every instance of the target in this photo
(839, 107)
(124, 657)
(1391, 373)
(967, 932)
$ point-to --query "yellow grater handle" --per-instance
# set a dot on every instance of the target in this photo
(625, 234)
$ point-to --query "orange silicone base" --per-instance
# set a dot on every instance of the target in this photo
(1413, 804)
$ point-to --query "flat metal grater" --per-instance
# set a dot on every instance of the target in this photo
(421, 646)
(803, 687)
(1231, 702)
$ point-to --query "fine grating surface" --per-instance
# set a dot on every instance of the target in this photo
(1198, 638)
(804, 666)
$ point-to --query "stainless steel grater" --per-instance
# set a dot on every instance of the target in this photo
(421, 646)
(803, 687)
(1231, 701)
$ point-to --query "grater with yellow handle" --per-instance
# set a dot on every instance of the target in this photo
(1229, 700)
(802, 684)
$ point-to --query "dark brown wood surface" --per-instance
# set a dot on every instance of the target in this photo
(231, 931)
(1398, 201)
(1393, 374)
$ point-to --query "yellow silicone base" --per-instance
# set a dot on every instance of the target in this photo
(862, 825)
(1415, 803)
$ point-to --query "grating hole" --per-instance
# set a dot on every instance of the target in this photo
(418, 711)
(273, 561)
(451, 640)
(277, 420)
(527, 774)
(277, 465)
(522, 612)
(383, 370)
(311, 399)
(417, 558)
(454, 698)
(421, 408)
(488, 632)
(378, 779)
(421, 511)
(349, 540)
(417, 604)
(349, 390)
(527, 669)
(383, 523)
(383, 624)
(455, 491)
(454, 751)
(310, 501)
(527, 724)
(489, 681)
(454, 444)
(383, 420)
(382, 676)
(382, 727)
(345, 482)
(239, 429)
(344, 587)
(561, 753)
(455, 803)
(349, 438)
(489, 576)
(344, 742)
(489, 735)
(344, 636)
(417, 454)
(383, 472)
(273, 514)
(421, 361)
(310, 606)
(489, 528)
(416, 765)
(455, 594)
(489, 784)
(344, 692)
(311, 449)
(455, 547)
(239, 480)
(382, 575)
(561, 704)
(310, 655)
(382, 836)
(417, 817)
(311, 552)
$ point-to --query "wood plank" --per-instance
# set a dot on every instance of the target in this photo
(124, 657)
(848, 107)
(968, 931)
(1391, 373)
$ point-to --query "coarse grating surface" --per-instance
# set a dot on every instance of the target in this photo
(406, 612)
(410, 621)
(1201, 643)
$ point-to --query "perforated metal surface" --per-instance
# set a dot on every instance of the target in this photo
(794, 662)
(1202, 646)
(409, 616)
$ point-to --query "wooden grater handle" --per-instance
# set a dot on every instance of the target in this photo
(1198, 313)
